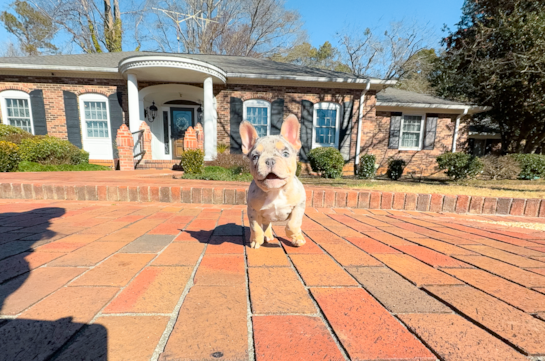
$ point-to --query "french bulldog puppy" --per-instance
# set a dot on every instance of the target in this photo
(275, 194)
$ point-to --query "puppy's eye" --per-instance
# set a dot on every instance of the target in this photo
(254, 158)
(286, 154)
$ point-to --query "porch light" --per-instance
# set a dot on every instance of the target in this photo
(152, 112)
(199, 114)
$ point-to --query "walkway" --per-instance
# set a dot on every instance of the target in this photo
(133, 281)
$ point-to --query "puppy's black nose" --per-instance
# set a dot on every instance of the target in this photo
(270, 162)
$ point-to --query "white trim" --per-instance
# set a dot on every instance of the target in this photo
(92, 144)
(328, 106)
(137, 62)
(422, 126)
(474, 109)
(360, 121)
(58, 67)
(258, 103)
(456, 126)
(299, 78)
(14, 94)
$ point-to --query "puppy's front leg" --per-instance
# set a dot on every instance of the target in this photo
(293, 228)
(268, 232)
(256, 231)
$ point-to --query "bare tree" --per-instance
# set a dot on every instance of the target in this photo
(231, 27)
(94, 25)
(383, 56)
(10, 50)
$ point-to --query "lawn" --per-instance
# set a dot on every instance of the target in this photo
(477, 187)
(36, 167)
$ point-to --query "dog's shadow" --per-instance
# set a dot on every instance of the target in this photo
(232, 233)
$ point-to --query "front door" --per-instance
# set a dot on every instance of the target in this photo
(181, 119)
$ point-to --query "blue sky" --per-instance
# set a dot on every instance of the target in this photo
(324, 18)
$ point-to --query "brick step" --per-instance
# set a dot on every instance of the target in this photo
(212, 193)
(157, 164)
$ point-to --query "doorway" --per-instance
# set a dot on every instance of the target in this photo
(181, 119)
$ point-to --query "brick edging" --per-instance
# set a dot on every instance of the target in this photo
(316, 197)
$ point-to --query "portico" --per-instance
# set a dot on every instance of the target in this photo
(179, 105)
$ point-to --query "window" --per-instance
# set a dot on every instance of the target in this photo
(96, 119)
(258, 112)
(16, 109)
(412, 127)
(326, 125)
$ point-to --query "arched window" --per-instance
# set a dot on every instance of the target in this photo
(258, 112)
(95, 116)
(95, 126)
(16, 109)
(326, 125)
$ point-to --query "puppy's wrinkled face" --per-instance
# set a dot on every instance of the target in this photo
(273, 162)
(273, 159)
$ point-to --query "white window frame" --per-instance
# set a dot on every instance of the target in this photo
(15, 94)
(326, 106)
(422, 126)
(258, 103)
(91, 97)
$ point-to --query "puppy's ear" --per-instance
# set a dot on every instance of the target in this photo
(248, 135)
(291, 130)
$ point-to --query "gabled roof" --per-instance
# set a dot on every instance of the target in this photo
(233, 66)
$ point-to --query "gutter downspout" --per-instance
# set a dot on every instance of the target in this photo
(455, 136)
(360, 120)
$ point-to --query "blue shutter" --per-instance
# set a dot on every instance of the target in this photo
(71, 112)
(234, 123)
(307, 110)
(38, 112)
(116, 117)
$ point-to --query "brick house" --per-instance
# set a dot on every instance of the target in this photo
(86, 98)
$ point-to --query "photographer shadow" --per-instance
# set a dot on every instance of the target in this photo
(34, 339)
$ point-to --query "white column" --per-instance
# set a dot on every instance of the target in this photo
(134, 103)
(210, 122)
(456, 126)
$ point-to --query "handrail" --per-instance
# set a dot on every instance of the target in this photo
(138, 143)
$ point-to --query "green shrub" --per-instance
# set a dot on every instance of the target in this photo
(367, 169)
(327, 161)
(192, 161)
(222, 148)
(299, 169)
(9, 129)
(51, 150)
(500, 167)
(460, 165)
(16, 138)
(9, 157)
(226, 160)
(395, 168)
(532, 165)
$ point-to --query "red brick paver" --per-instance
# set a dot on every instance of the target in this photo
(175, 281)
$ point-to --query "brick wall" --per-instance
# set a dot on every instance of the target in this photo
(375, 136)
(292, 104)
(53, 87)
(375, 126)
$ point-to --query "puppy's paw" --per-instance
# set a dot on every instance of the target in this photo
(297, 240)
(256, 242)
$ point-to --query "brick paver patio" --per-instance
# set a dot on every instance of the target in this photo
(132, 281)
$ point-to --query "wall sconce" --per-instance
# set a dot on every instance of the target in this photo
(199, 114)
(151, 112)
